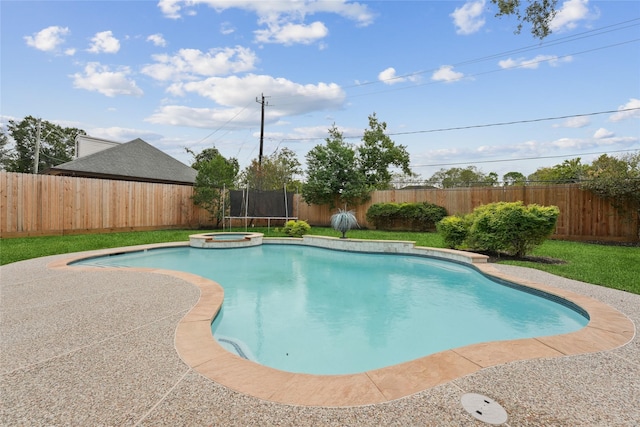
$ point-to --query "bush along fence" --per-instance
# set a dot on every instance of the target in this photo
(54, 205)
(503, 227)
(405, 216)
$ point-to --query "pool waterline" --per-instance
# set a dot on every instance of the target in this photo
(199, 350)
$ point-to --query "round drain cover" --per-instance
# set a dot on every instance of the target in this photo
(484, 408)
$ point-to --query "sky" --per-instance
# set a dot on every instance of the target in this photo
(455, 85)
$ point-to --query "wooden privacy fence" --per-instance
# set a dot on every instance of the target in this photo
(583, 216)
(49, 205)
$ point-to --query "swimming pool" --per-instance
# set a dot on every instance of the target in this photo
(320, 311)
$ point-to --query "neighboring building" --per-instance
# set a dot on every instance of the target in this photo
(86, 145)
(130, 161)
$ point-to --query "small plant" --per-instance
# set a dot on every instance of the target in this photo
(344, 221)
(296, 228)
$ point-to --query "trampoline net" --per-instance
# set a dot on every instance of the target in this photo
(260, 203)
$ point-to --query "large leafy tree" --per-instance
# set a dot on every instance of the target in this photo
(333, 174)
(378, 153)
(569, 171)
(345, 173)
(4, 150)
(470, 176)
(537, 13)
(276, 171)
(514, 178)
(57, 145)
(215, 173)
(616, 179)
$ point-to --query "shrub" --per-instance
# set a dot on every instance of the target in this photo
(511, 228)
(417, 216)
(296, 228)
(381, 215)
(454, 230)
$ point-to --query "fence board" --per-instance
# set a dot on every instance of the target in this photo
(41, 204)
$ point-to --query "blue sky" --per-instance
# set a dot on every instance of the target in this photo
(183, 73)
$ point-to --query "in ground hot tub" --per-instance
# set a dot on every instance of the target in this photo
(225, 240)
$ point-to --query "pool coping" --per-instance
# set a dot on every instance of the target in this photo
(195, 345)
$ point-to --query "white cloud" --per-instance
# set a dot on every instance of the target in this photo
(123, 134)
(284, 20)
(289, 33)
(47, 39)
(70, 52)
(104, 42)
(468, 19)
(568, 16)
(227, 28)
(273, 9)
(188, 63)
(389, 77)
(157, 40)
(99, 78)
(446, 74)
(170, 8)
(179, 115)
(623, 115)
(286, 98)
(533, 63)
(603, 133)
(574, 122)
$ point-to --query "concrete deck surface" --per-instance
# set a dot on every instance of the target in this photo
(97, 348)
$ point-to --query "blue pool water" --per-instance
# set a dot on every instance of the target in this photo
(319, 311)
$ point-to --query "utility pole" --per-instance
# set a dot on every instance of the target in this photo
(37, 156)
(263, 104)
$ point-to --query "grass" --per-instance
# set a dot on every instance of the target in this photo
(616, 267)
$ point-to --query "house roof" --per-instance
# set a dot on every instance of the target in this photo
(132, 161)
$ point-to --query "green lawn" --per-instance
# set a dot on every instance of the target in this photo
(615, 267)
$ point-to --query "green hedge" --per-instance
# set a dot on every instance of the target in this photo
(415, 216)
(510, 228)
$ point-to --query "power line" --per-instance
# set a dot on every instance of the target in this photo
(467, 76)
(567, 39)
(481, 125)
(225, 123)
(515, 122)
(521, 158)
(562, 40)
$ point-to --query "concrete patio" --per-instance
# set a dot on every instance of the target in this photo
(98, 348)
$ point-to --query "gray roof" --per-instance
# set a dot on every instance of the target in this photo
(132, 161)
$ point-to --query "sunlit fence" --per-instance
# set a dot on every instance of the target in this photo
(53, 205)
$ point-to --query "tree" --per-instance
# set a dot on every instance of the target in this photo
(342, 172)
(616, 179)
(514, 178)
(57, 145)
(459, 177)
(5, 154)
(215, 172)
(569, 171)
(333, 173)
(538, 13)
(378, 153)
(491, 179)
(278, 169)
